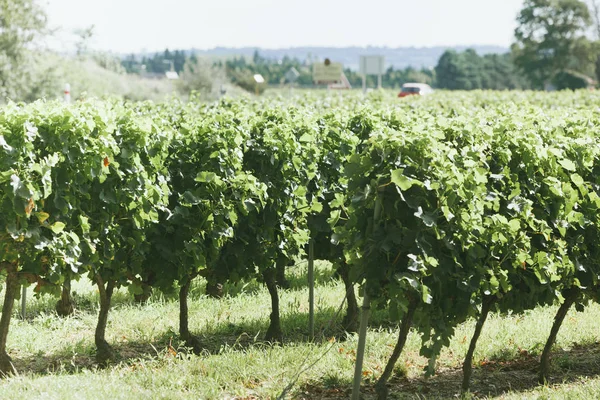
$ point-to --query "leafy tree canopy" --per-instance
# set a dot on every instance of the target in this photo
(549, 38)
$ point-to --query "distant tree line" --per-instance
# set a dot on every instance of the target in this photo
(241, 70)
(273, 71)
(458, 71)
(556, 46)
(393, 78)
(158, 63)
(469, 71)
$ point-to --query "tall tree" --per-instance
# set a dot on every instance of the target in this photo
(468, 71)
(595, 9)
(84, 36)
(549, 38)
(449, 71)
(200, 75)
(20, 22)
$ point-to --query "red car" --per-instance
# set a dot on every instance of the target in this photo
(409, 89)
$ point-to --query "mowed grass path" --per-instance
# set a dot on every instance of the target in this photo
(54, 356)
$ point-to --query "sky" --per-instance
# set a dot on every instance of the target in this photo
(126, 26)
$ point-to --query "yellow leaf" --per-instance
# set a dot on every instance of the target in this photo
(42, 216)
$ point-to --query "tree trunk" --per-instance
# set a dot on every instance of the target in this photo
(213, 289)
(468, 363)
(146, 284)
(12, 287)
(280, 273)
(104, 353)
(362, 341)
(274, 333)
(381, 387)
(350, 321)
(598, 67)
(570, 296)
(64, 306)
(143, 297)
(184, 330)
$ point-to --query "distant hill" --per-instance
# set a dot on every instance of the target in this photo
(402, 57)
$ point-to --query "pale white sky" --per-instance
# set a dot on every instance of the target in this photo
(135, 25)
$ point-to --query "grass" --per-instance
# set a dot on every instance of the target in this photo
(54, 356)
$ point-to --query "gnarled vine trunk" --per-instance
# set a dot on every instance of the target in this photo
(65, 306)
(146, 285)
(214, 289)
(104, 352)
(486, 305)
(184, 330)
(11, 290)
(143, 297)
(280, 273)
(381, 387)
(570, 296)
(350, 321)
(274, 333)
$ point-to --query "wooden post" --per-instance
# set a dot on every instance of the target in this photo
(311, 289)
(67, 93)
(362, 343)
(23, 301)
(364, 319)
(364, 82)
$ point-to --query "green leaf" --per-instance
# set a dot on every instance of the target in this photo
(206, 177)
(480, 175)
(19, 188)
(5, 176)
(57, 227)
(577, 180)
(306, 138)
(316, 207)
(84, 222)
(494, 282)
(135, 288)
(338, 201)
(394, 311)
(568, 164)
(515, 225)
(427, 298)
(334, 218)
(402, 181)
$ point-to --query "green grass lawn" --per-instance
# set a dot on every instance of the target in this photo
(54, 356)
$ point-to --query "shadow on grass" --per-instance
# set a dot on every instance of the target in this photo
(500, 374)
(215, 339)
(490, 378)
(297, 277)
(85, 303)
